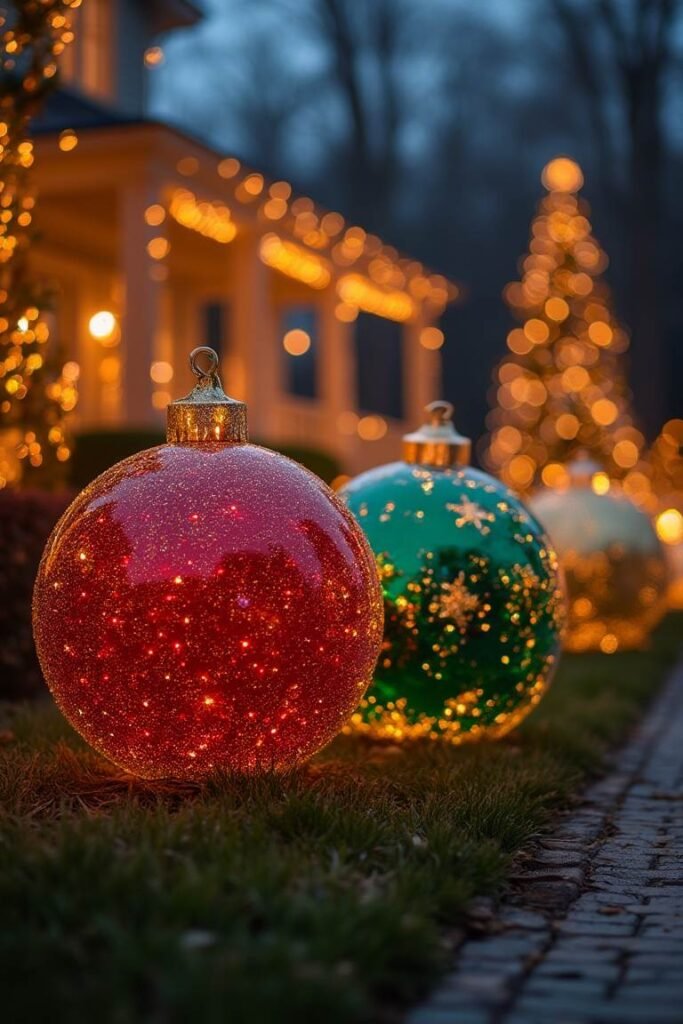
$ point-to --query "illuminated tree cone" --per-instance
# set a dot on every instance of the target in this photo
(473, 605)
(207, 604)
(562, 387)
(613, 563)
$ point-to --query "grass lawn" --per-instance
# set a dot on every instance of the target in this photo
(321, 896)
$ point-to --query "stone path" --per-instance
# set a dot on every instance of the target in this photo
(594, 934)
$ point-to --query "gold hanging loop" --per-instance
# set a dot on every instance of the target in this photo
(437, 443)
(207, 414)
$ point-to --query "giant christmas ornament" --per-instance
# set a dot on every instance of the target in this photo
(207, 604)
(472, 596)
(613, 563)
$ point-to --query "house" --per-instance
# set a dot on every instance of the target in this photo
(154, 244)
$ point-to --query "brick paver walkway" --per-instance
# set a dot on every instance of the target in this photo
(595, 935)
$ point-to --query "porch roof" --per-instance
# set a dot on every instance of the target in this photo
(298, 237)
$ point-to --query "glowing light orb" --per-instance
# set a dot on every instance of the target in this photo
(102, 325)
(562, 175)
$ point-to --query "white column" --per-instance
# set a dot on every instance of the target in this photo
(336, 377)
(142, 320)
(253, 370)
(421, 374)
(185, 317)
(89, 351)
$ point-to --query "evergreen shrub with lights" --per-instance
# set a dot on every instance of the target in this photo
(36, 391)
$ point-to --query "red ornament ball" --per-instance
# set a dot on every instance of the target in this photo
(204, 607)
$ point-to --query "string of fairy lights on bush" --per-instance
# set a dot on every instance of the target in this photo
(36, 391)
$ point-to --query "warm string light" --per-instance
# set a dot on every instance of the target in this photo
(36, 391)
(211, 219)
(356, 291)
(313, 242)
(562, 387)
(294, 261)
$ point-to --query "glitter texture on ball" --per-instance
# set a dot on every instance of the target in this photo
(207, 605)
(473, 602)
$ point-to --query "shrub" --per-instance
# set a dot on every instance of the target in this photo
(97, 450)
(26, 520)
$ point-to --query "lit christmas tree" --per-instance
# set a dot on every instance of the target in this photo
(562, 387)
(36, 390)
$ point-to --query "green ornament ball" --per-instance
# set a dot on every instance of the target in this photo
(472, 594)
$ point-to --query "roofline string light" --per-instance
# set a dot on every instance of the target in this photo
(294, 261)
(320, 241)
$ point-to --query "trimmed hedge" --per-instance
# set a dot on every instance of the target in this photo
(97, 450)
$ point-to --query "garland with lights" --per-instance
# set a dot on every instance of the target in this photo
(562, 387)
(36, 391)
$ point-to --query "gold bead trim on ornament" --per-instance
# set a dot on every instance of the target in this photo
(437, 443)
(207, 413)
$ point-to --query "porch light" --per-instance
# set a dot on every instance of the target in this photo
(103, 327)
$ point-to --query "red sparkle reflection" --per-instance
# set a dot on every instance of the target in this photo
(207, 607)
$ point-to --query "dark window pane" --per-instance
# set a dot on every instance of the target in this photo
(215, 326)
(379, 362)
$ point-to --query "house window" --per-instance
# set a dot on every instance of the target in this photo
(379, 365)
(299, 328)
(87, 64)
(215, 327)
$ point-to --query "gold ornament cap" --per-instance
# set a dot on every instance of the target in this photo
(437, 442)
(207, 413)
